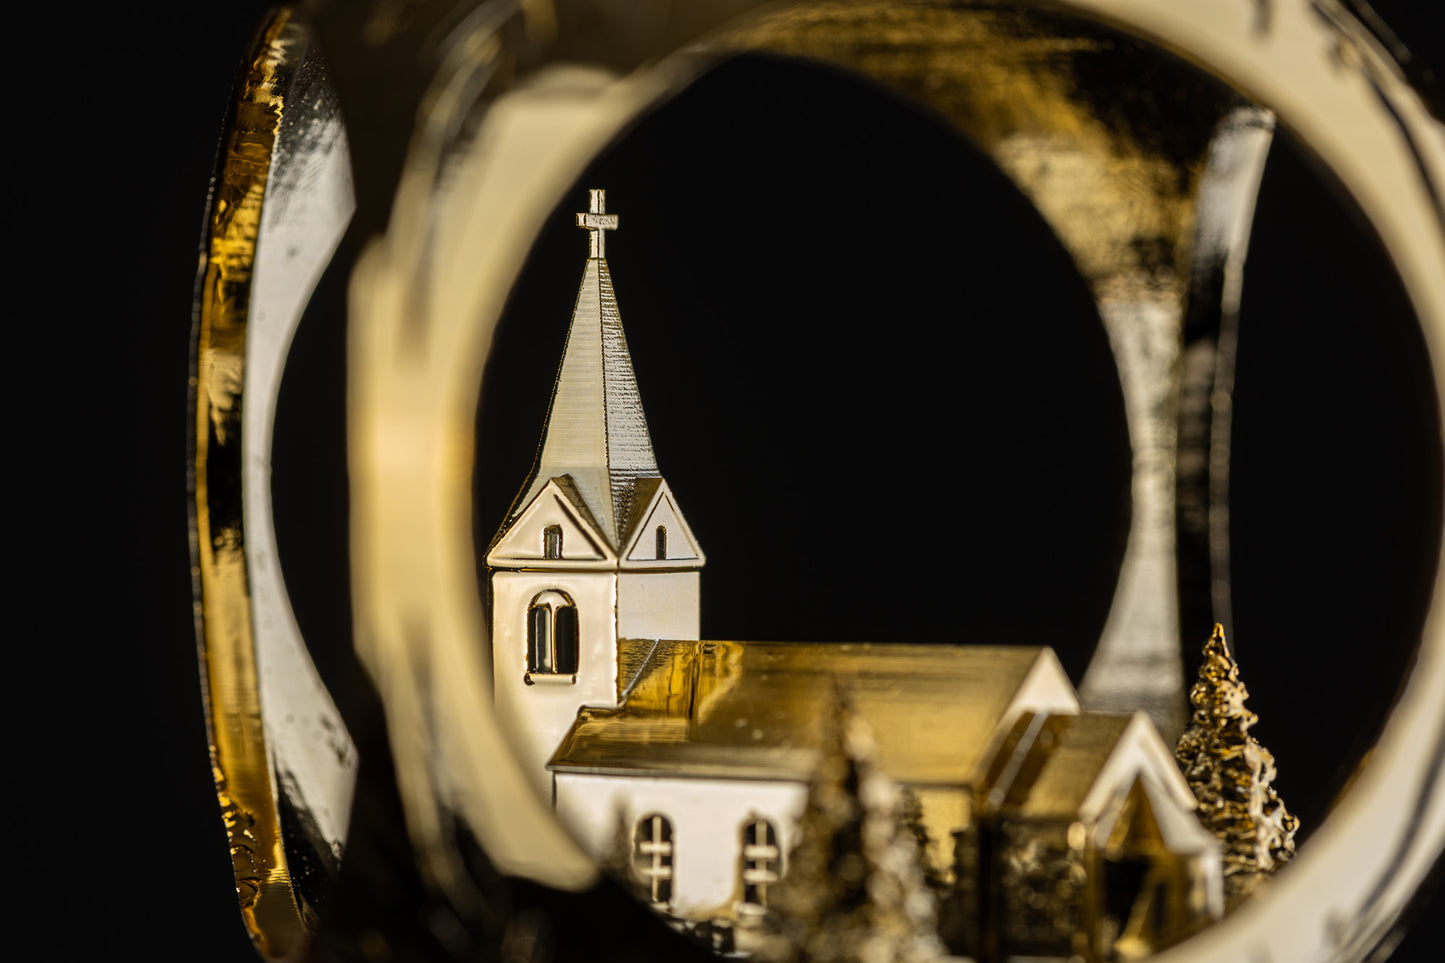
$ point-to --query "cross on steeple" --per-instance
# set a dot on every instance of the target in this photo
(597, 221)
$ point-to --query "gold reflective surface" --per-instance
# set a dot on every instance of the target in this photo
(437, 284)
(427, 295)
(753, 709)
(1231, 774)
(240, 757)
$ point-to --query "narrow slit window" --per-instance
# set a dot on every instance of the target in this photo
(661, 541)
(539, 639)
(564, 645)
(552, 643)
(762, 862)
(552, 541)
(652, 853)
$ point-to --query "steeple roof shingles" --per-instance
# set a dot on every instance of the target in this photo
(596, 430)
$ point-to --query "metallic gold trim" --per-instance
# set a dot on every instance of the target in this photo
(240, 760)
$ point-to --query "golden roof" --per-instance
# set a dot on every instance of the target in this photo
(754, 710)
(1091, 756)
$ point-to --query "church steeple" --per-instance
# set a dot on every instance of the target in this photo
(596, 431)
(595, 551)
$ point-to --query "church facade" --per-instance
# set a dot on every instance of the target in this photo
(1058, 832)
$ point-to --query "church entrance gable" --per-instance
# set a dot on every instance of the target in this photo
(1143, 898)
(1153, 878)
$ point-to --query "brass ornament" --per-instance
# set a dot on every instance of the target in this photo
(280, 756)
(506, 129)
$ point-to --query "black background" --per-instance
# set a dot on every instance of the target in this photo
(111, 821)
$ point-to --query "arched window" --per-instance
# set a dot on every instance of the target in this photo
(661, 542)
(551, 635)
(761, 863)
(552, 541)
(652, 857)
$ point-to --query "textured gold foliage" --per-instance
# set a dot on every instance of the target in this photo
(854, 891)
(1232, 774)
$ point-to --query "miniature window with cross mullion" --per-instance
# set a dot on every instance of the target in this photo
(552, 643)
(762, 861)
(652, 853)
(552, 541)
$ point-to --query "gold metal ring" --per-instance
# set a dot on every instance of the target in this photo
(427, 294)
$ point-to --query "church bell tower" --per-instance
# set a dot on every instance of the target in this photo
(594, 549)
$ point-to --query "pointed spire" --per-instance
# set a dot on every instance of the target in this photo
(596, 430)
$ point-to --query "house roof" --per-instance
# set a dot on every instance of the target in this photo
(1095, 759)
(755, 710)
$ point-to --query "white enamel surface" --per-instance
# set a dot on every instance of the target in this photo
(538, 715)
(1045, 689)
(707, 817)
(524, 540)
(681, 543)
(658, 605)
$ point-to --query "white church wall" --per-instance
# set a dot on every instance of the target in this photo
(537, 716)
(658, 605)
(707, 818)
(1046, 689)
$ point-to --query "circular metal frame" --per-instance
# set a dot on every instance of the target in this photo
(483, 171)
(436, 283)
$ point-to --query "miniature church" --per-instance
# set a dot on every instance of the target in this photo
(1058, 832)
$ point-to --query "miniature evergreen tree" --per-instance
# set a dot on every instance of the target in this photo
(1231, 775)
(853, 891)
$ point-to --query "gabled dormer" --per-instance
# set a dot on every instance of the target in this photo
(658, 536)
(555, 530)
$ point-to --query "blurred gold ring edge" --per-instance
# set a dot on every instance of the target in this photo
(283, 764)
(241, 764)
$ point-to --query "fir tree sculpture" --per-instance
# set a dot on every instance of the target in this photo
(1231, 775)
(853, 891)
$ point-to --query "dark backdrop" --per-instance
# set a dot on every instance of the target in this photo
(111, 819)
